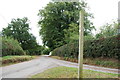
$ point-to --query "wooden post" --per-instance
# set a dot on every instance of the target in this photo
(81, 34)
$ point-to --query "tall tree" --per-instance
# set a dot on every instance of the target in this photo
(19, 29)
(56, 18)
(72, 33)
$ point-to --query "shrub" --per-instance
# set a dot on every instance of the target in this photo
(11, 47)
(105, 47)
(35, 51)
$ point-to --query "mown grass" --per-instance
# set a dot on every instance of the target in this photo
(8, 60)
(69, 72)
(103, 62)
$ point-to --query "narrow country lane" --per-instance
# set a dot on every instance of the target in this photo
(26, 69)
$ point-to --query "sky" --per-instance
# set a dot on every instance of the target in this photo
(104, 11)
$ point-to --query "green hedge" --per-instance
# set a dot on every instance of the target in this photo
(105, 47)
(68, 50)
(11, 47)
(15, 59)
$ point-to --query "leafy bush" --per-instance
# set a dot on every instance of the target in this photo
(11, 47)
(35, 51)
(105, 47)
(46, 51)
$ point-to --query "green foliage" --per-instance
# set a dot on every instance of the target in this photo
(19, 29)
(107, 30)
(15, 59)
(57, 18)
(72, 33)
(46, 51)
(69, 50)
(106, 47)
(89, 37)
(35, 51)
(11, 47)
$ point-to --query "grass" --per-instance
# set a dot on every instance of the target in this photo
(8, 60)
(103, 62)
(69, 72)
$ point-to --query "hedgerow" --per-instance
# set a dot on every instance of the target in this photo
(105, 47)
(15, 59)
(11, 47)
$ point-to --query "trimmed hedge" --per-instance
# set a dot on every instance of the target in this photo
(105, 47)
(15, 59)
(68, 50)
(11, 47)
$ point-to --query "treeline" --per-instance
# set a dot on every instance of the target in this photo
(59, 28)
(17, 40)
(102, 48)
(10, 47)
(59, 23)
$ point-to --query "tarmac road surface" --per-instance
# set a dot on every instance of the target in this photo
(28, 68)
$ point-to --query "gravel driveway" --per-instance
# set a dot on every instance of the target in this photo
(26, 69)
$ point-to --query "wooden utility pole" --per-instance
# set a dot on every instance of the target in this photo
(80, 57)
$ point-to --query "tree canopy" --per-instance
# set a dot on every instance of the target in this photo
(19, 29)
(108, 30)
(58, 18)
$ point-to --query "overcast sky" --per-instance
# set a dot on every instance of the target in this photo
(104, 11)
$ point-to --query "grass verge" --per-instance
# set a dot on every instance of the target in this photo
(69, 72)
(8, 60)
(102, 62)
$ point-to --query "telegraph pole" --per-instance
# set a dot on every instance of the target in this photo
(81, 34)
